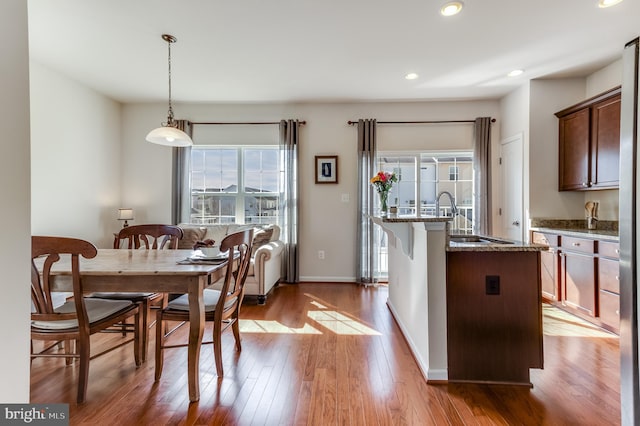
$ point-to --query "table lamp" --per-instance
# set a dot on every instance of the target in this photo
(126, 215)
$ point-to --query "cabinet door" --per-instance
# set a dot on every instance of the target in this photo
(605, 144)
(574, 151)
(548, 274)
(579, 286)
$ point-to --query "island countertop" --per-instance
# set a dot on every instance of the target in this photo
(494, 244)
(413, 218)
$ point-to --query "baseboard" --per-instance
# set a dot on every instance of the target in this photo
(328, 279)
(430, 375)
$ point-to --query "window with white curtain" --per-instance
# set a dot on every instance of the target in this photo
(235, 184)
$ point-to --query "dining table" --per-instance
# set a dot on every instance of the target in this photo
(162, 271)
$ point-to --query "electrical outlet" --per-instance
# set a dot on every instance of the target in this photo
(321, 254)
(492, 283)
(345, 198)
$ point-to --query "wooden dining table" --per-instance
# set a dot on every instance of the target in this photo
(162, 271)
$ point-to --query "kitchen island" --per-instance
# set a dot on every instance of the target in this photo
(470, 310)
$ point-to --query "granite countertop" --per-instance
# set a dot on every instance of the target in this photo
(496, 245)
(396, 218)
(606, 230)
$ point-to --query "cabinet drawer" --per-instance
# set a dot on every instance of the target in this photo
(610, 309)
(609, 249)
(544, 238)
(609, 275)
(578, 244)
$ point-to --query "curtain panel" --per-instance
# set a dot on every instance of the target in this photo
(366, 259)
(180, 197)
(482, 176)
(289, 198)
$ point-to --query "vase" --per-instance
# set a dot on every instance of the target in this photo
(383, 202)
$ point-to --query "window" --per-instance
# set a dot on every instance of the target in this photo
(421, 177)
(234, 184)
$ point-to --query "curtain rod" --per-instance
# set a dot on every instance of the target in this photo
(351, 123)
(253, 123)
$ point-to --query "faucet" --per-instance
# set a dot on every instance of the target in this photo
(454, 208)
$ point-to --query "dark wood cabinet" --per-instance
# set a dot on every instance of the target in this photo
(578, 278)
(581, 276)
(609, 285)
(589, 143)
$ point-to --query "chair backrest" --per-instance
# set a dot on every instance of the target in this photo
(138, 236)
(51, 248)
(238, 246)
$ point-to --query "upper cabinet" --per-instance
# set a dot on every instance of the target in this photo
(590, 144)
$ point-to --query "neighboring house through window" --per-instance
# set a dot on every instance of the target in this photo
(235, 184)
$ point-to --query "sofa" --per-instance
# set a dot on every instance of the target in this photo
(265, 270)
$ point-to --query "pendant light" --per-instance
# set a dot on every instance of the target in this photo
(169, 134)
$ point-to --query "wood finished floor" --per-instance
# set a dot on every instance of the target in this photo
(331, 354)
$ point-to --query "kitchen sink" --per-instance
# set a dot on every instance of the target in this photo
(477, 239)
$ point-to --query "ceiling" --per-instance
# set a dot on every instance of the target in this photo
(324, 50)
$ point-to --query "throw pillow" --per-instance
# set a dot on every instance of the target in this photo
(260, 238)
(191, 236)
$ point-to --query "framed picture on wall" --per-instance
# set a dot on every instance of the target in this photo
(326, 169)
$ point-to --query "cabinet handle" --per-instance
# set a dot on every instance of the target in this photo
(515, 223)
(618, 312)
(617, 277)
(617, 251)
(575, 244)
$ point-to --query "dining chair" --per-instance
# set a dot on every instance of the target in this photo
(75, 320)
(220, 306)
(149, 237)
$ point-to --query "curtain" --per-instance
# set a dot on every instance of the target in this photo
(366, 259)
(482, 176)
(180, 197)
(289, 135)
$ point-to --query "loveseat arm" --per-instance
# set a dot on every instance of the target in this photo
(267, 265)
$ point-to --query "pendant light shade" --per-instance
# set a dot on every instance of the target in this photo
(169, 134)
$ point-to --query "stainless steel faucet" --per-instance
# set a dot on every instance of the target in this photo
(454, 208)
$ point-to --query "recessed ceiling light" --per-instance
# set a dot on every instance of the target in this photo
(515, 73)
(607, 3)
(452, 7)
(411, 76)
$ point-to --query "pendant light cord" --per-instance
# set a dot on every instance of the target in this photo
(170, 39)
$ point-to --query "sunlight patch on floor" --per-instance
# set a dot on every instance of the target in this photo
(341, 324)
(274, 327)
(556, 322)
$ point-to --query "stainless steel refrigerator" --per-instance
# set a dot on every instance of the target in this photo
(629, 237)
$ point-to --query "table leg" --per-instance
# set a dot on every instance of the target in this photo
(196, 330)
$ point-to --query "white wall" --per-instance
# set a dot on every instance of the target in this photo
(75, 139)
(326, 223)
(15, 212)
(548, 97)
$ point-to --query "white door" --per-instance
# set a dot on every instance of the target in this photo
(512, 203)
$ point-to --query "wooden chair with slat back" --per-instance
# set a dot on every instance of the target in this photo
(221, 306)
(77, 319)
(149, 237)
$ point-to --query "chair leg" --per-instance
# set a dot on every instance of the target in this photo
(84, 351)
(145, 306)
(236, 333)
(69, 349)
(137, 340)
(217, 348)
(159, 345)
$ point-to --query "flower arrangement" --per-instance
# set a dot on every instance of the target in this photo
(383, 181)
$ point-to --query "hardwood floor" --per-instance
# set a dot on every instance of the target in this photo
(331, 354)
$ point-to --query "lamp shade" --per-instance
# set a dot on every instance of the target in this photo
(169, 136)
(125, 214)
